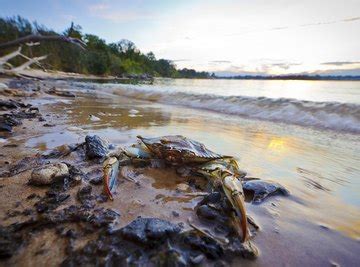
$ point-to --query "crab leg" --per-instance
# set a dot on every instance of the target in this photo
(234, 192)
(110, 170)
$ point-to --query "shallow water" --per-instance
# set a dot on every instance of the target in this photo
(321, 168)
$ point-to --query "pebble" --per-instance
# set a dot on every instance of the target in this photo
(49, 174)
(96, 147)
(175, 214)
(3, 86)
(94, 118)
(182, 187)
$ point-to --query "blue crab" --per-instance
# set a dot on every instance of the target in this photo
(180, 151)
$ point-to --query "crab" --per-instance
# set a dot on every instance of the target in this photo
(183, 152)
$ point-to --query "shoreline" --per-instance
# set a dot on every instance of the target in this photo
(283, 222)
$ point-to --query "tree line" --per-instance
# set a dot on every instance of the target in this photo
(121, 58)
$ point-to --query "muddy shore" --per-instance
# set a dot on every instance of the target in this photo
(72, 222)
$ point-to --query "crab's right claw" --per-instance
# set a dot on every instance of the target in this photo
(234, 192)
(110, 170)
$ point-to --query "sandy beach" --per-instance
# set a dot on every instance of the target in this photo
(316, 225)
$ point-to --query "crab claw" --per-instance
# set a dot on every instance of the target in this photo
(110, 170)
(234, 192)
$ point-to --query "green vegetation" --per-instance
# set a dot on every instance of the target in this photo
(99, 58)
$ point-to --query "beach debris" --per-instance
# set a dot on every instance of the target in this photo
(133, 111)
(48, 174)
(96, 147)
(221, 171)
(64, 93)
(94, 118)
(74, 129)
(262, 189)
(149, 231)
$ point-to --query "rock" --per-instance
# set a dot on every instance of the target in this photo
(8, 104)
(206, 212)
(182, 187)
(175, 213)
(7, 121)
(196, 260)
(85, 197)
(94, 118)
(5, 127)
(212, 198)
(96, 147)
(247, 249)
(148, 231)
(51, 201)
(64, 93)
(95, 176)
(10, 241)
(209, 246)
(49, 174)
(262, 189)
(3, 86)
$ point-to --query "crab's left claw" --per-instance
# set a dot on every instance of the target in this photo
(234, 192)
(110, 170)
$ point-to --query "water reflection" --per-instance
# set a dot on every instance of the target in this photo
(321, 170)
(113, 113)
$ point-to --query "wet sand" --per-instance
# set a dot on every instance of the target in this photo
(314, 226)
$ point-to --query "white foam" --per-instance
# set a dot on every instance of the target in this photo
(326, 115)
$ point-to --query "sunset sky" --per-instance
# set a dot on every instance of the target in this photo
(257, 36)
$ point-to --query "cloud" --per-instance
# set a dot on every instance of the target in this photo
(284, 66)
(336, 72)
(180, 60)
(278, 28)
(105, 11)
(98, 7)
(351, 19)
(341, 63)
(219, 62)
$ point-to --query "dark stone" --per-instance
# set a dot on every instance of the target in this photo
(210, 247)
(149, 231)
(95, 176)
(54, 91)
(5, 127)
(8, 104)
(10, 241)
(49, 125)
(175, 213)
(51, 201)
(206, 212)
(85, 197)
(96, 147)
(214, 197)
(262, 189)
(31, 196)
(196, 260)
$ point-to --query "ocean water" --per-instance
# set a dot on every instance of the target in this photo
(333, 105)
(302, 134)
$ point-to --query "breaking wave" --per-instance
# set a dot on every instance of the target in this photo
(326, 115)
